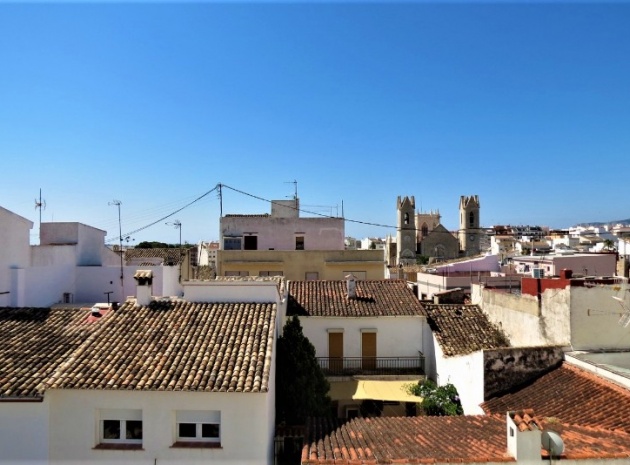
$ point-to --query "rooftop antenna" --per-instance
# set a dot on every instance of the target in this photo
(294, 182)
(41, 205)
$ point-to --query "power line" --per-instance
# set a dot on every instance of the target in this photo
(166, 216)
(366, 223)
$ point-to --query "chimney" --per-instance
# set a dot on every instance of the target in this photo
(524, 434)
(144, 287)
(351, 284)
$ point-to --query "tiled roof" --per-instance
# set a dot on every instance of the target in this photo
(472, 438)
(168, 345)
(176, 345)
(169, 255)
(34, 342)
(572, 395)
(463, 329)
(373, 298)
(582, 442)
(476, 438)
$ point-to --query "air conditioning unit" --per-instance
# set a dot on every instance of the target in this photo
(538, 273)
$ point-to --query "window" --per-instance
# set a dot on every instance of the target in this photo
(299, 243)
(406, 220)
(250, 243)
(471, 219)
(270, 273)
(231, 243)
(119, 426)
(237, 273)
(198, 426)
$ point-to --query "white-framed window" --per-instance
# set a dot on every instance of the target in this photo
(198, 426)
(120, 426)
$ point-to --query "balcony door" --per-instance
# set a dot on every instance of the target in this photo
(368, 350)
(335, 351)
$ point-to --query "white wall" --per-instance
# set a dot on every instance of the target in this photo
(14, 252)
(466, 373)
(44, 286)
(246, 290)
(595, 316)
(397, 336)
(523, 320)
(246, 427)
(23, 432)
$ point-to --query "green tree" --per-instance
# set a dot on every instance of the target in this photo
(301, 387)
(437, 400)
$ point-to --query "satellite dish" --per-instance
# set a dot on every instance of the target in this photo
(552, 443)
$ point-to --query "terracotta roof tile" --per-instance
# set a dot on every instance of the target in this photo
(406, 440)
(571, 395)
(474, 438)
(34, 342)
(581, 442)
(168, 255)
(175, 346)
(373, 298)
(462, 329)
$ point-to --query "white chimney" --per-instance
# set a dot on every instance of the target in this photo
(351, 283)
(144, 287)
(524, 434)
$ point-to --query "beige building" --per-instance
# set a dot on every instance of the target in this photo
(302, 265)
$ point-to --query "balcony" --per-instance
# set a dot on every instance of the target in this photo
(350, 366)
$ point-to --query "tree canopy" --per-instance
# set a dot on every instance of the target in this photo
(437, 400)
(301, 387)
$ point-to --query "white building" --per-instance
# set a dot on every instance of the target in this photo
(362, 330)
(154, 381)
(15, 255)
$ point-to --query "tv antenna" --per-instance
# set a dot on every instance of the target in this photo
(624, 320)
(41, 205)
(294, 182)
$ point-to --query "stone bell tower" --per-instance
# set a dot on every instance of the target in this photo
(469, 229)
(406, 231)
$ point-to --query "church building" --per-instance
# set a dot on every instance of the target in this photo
(422, 233)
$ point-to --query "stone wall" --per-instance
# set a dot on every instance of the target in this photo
(505, 369)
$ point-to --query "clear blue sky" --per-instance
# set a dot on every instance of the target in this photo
(154, 104)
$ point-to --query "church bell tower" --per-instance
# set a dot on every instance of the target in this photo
(406, 231)
(469, 230)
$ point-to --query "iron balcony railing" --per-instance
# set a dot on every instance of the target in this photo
(348, 366)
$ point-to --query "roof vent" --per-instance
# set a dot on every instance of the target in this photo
(96, 312)
(351, 284)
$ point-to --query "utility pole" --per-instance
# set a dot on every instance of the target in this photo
(118, 203)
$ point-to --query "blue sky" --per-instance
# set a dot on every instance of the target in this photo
(154, 104)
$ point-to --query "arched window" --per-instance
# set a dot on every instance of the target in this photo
(425, 230)
(471, 218)
(406, 218)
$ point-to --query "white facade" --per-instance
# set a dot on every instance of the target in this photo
(246, 426)
(15, 254)
(396, 336)
(465, 372)
(24, 432)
